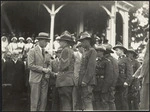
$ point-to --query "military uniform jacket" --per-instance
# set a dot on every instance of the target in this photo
(104, 74)
(88, 65)
(135, 65)
(115, 68)
(125, 70)
(66, 68)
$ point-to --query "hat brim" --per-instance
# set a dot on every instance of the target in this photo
(129, 51)
(43, 38)
(83, 38)
(109, 51)
(66, 40)
(120, 47)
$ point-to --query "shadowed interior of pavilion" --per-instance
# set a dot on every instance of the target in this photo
(32, 18)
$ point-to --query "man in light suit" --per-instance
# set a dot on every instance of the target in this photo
(39, 65)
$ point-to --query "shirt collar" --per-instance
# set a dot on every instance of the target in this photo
(39, 48)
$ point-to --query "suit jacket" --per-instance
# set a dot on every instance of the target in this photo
(36, 63)
(115, 69)
(14, 74)
(66, 68)
(88, 65)
(104, 75)
(125, 71)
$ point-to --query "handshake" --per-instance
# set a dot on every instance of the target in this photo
(47, 72)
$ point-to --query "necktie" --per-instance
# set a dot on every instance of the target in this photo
(43, 52)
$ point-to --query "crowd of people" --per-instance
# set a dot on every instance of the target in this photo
(82, 74)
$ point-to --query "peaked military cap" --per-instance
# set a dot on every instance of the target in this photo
(100, 48)
(84, 35)
(43, 35)
(108, 48)
(119, 45)
(14, 38)
(66, 36)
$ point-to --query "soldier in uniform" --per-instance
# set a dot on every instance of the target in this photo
(115, 73)
(87, 71)
(124, 78)
(104, 78)
(65, 78)
(134, 88)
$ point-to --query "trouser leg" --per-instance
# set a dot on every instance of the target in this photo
(87, 96)
(34, 96)
(65, 94)
(55, 99)
(121, 98)
(124, 98)
(43, 94)
(111, 100)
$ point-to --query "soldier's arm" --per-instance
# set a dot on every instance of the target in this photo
(65, 59)
(108, 76)
(129, 72)
(90, 67)
(31, 63)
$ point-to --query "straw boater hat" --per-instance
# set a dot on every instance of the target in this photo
(66, 36)
(29, 38)
(84, 35)
(43, 36)
(100, 48)
(108, 48)
(132, 51)
(21, 38)
(120, 46)
(14, 38)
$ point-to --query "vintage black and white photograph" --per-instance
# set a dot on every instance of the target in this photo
(75, 55)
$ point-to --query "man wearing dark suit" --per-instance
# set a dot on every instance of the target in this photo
(14, 70)
(87, 71)
(39, 65)
(115, 73)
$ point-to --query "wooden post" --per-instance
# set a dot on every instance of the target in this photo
(52, 13)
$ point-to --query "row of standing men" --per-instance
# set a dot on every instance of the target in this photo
(85, 78)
